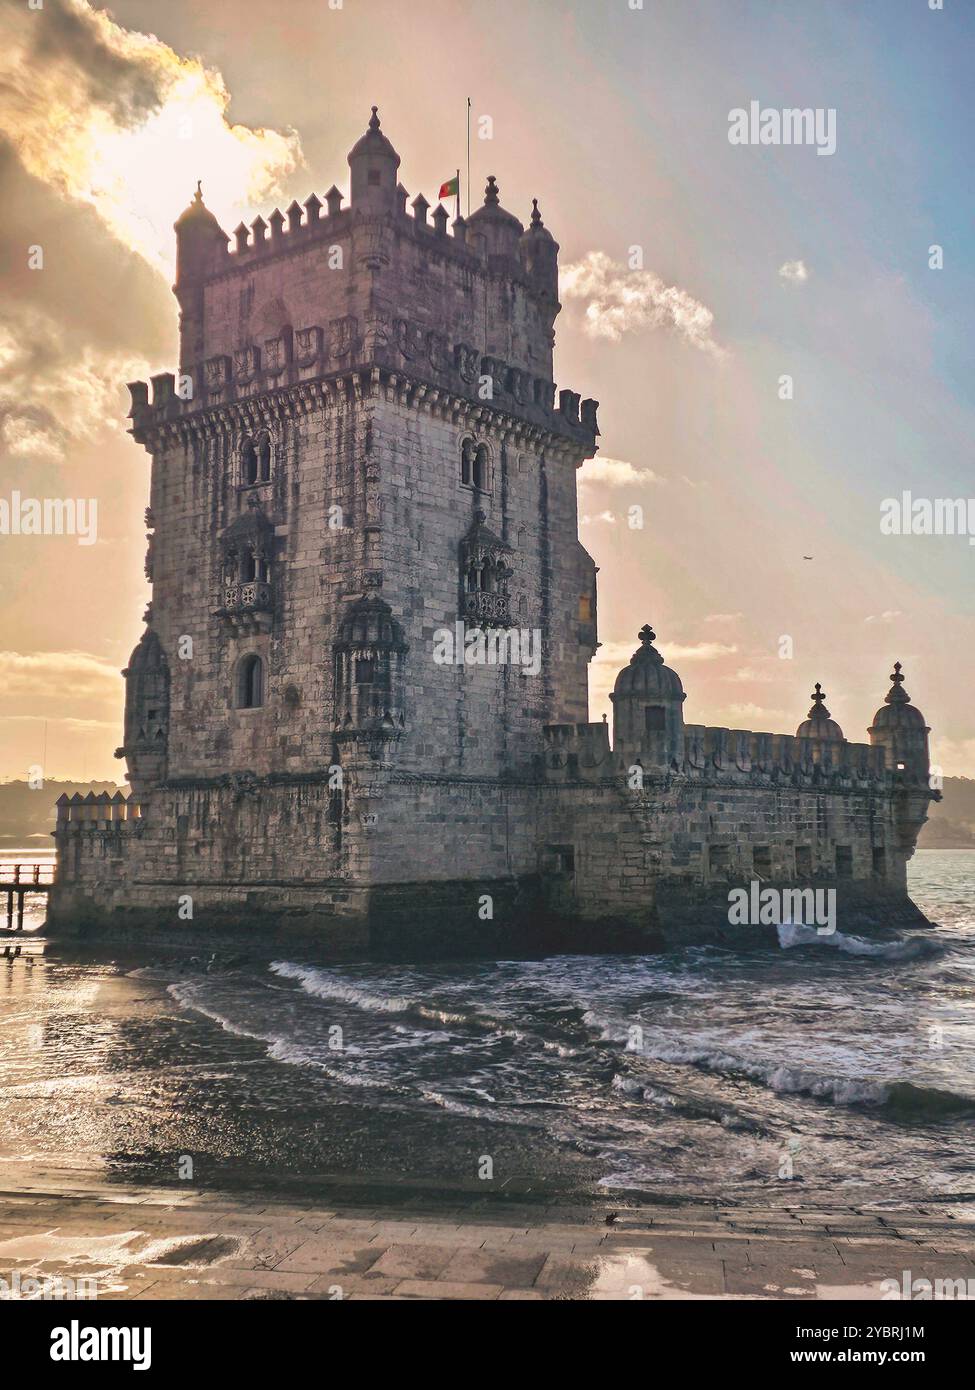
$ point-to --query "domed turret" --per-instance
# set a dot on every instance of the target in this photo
(146, 713)
(818, 724)
(201, 242)
(539, 253)
(899, 728)
(374, 163)
(648, 700)
(491, 229)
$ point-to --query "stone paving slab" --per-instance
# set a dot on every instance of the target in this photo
(147, 1244)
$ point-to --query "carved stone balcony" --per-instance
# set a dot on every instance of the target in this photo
(487, 608)
(248, 605)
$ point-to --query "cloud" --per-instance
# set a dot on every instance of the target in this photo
(615, 473)
(723, 617)
(887, 616)
(52, 390)
(697, 651)
(118, 120)
(757, 712)
(747, 675)
(625, 301)
(619, 653)
(955, 755)
(600, 516)
(794, 272)
(40, 674)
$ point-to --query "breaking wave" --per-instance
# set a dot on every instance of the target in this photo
(791, 934)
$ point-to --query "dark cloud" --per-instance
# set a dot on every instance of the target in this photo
(71, 36)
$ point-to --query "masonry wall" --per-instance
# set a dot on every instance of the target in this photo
(481, 718)
(319, 462)
(407, 861)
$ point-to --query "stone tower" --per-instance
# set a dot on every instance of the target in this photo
(362, 464)
(363, 450)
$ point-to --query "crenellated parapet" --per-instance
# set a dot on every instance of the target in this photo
(712, 754)
(336, 359)
(97, 812)
(574, 752)
(741, 753)
(325, 290)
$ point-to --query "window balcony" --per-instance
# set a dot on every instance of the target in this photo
(248, 605)
(488, 608)
(253, 595)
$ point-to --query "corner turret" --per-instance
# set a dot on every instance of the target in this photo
(492, 230)
(201, 249)
(201, 242)
(648, 715)
(374, 164)
(818, 723)
(899, 728)
(539, 254)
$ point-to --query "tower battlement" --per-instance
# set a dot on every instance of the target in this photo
(324, 290)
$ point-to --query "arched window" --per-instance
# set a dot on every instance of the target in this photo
(482, 468)
(248, 463)
(475, 465)
(264, 458)
(467, 462)
(250, 682)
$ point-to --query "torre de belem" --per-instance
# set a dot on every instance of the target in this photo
(359, 709)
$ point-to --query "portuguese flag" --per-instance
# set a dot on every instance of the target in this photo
(450, 189)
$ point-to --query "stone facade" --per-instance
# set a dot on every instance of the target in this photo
(360, 705)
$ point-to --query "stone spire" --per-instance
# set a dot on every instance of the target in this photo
(897, 695)
(819, 723)
(373, 163)
(539, 254)
(200, 240)
(647, 702)
(498, 230)
(899, 728)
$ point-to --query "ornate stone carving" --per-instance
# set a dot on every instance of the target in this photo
(308, 346)
(247, 364)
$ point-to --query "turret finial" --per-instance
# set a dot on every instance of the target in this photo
(897, 694)
(647, 635)
(491, 198)
(198, 195)
(819, 710)
(536, 215)
(374, 119)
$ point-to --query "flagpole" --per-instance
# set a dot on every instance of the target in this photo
(457, 214)
(468, 156)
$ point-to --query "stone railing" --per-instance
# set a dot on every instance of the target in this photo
(254, 596)
(740, 750)
(712, 754)
(493, 609)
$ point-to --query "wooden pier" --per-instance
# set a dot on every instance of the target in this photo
(16, 881)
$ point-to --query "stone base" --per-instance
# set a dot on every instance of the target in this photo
(442, 919)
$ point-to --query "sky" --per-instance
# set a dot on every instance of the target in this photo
(697, 274)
